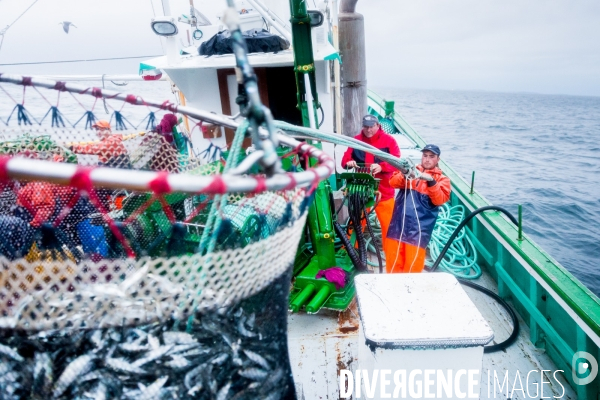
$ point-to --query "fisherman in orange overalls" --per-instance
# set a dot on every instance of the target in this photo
(110, 149)
(415, 212)
(375, 136)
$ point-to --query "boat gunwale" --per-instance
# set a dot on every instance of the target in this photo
(584, 303)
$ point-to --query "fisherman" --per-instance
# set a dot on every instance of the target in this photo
(110, 149)
(417, 205)
(375, 136)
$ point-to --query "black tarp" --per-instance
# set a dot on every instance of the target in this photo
(257, 42)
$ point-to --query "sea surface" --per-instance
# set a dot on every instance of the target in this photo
(541, 151)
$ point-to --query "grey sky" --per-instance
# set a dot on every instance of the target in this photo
(550, 46)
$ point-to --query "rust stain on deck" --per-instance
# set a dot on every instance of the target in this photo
(348, 320)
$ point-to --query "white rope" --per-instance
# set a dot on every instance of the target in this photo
(3, 32)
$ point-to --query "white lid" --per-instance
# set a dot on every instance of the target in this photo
(419, 310)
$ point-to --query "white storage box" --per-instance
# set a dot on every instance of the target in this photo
(421, 336)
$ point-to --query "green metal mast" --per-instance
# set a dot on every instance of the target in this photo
(319, 220)
(304, 63)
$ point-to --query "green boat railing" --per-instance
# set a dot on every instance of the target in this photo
(562, 314)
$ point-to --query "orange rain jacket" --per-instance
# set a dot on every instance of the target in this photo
(417, 206)
(107, 150)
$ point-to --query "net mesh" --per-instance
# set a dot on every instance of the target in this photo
(117, 293)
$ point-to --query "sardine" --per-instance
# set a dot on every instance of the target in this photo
(90, 377)
(257, 359)
(122, 365)
(255, 374)
(178, 338)
(184, 347)
(80, 366)
(220, 359)
(152, 355)
(134, 347)
(7, 351)
(153, 342)
(178, 362)
(242, 329)
(152, 391)
(224, 391)
(42, 373)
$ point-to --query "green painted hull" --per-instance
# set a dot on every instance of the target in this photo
(562, 314)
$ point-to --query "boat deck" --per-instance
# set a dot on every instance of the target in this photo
(323, 344)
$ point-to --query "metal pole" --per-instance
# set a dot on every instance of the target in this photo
(336, 70)
(472, 182)
(520, 223)
(304, 63)
(309, 102)
(170, 41)
(267, 14)
(354, 67)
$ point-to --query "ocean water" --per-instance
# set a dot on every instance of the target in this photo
(541, 151)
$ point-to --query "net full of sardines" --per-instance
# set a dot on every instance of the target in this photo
(131, 267)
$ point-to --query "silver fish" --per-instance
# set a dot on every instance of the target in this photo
(152, 355)
(242, 329)
(43, 365)
(184, 347)
(152, 391)
(11, 353)
(257, 359)
(178, 338)
(192, 374)
(178, 362)
(153, 342)
(194, 352)
(80, 366)
(122, 365)
(224, 391)
(134, 347)
(256, 374)
(90, 376)
(220, 359)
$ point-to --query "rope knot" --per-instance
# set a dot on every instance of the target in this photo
(97, 92)
(261, 185)
(82, 180)
(4, 168)
(160, 184)
(217, 186)
(131, 99)
(60, 86)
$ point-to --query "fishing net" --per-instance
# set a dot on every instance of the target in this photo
(131, 268)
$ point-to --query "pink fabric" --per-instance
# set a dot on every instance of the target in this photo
(335, 275)
(166, 126)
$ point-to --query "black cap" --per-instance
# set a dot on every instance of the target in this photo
(432, 148)
(370, 120)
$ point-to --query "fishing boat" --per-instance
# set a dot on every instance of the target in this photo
(558, 315)
(545, 322)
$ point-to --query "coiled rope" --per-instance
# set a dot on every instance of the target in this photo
(461, 258)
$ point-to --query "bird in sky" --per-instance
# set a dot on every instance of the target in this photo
(66, 25)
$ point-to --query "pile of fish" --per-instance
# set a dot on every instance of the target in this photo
(222, 355)
(142, 297)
